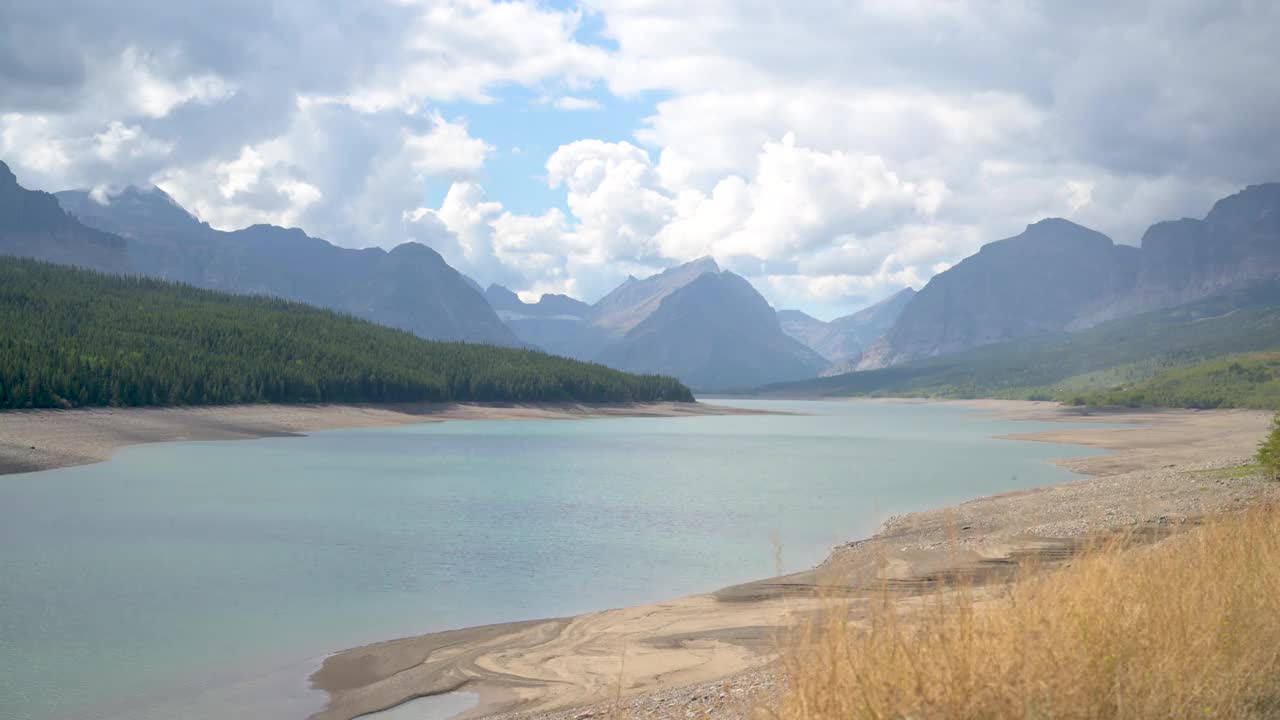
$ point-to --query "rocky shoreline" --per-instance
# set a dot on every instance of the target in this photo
(741, 696)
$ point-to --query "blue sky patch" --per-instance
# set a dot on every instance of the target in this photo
(525, 127)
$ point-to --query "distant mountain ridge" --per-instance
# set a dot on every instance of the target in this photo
(709, 328)
(843, 340)
(1034, 283)
(1117, 353)
(1053, 277)
(693, 319)
(410, 287)
(1059, 276)
(558, 324)
(549, 305)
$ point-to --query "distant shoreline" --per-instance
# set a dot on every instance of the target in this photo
(707, 652)
(38, 440)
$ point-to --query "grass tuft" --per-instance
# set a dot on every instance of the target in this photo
(1186, 628)
(1236, 472)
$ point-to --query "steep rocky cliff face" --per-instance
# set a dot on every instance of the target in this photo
(1034, 283)
(1181, 261)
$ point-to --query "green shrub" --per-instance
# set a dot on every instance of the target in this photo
(1269, 452)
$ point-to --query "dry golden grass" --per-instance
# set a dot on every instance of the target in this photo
(1187, 628)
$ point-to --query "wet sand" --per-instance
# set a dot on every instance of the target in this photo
(33, 440)
(1163, 474)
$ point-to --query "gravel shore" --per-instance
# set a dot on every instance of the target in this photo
(976, 540)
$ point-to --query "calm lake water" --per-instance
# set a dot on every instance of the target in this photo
(207, 579)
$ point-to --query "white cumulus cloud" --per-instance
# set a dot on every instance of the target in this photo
(833, 151)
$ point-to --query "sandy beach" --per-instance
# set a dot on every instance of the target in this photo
(33, 440)
(710, 654)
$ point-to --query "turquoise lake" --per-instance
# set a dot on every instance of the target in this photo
(203, 580)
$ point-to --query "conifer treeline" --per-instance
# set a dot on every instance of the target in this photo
(71, 338)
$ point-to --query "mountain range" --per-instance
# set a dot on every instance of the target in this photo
(708, 327)
(705, 325)
(718, 333)
(1112, 358)
(411, 287)
(841, 341)
(1057, 276)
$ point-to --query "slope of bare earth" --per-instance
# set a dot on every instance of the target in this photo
(32, 440)
(710, 655)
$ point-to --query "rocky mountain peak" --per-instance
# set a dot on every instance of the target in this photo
(412, 250)
(715, 332)
(704, 264)
(634, 300)
(502, 298)
(560, 304)
(1255, 205)
(1050, 234)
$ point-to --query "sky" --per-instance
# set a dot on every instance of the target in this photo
(831, 151)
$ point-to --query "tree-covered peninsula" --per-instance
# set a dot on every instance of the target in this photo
(76, 338)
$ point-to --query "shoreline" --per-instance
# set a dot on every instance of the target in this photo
(710, 652)
(39, 440)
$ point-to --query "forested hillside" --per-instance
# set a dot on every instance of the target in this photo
(73, 338)
(1236, 381)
